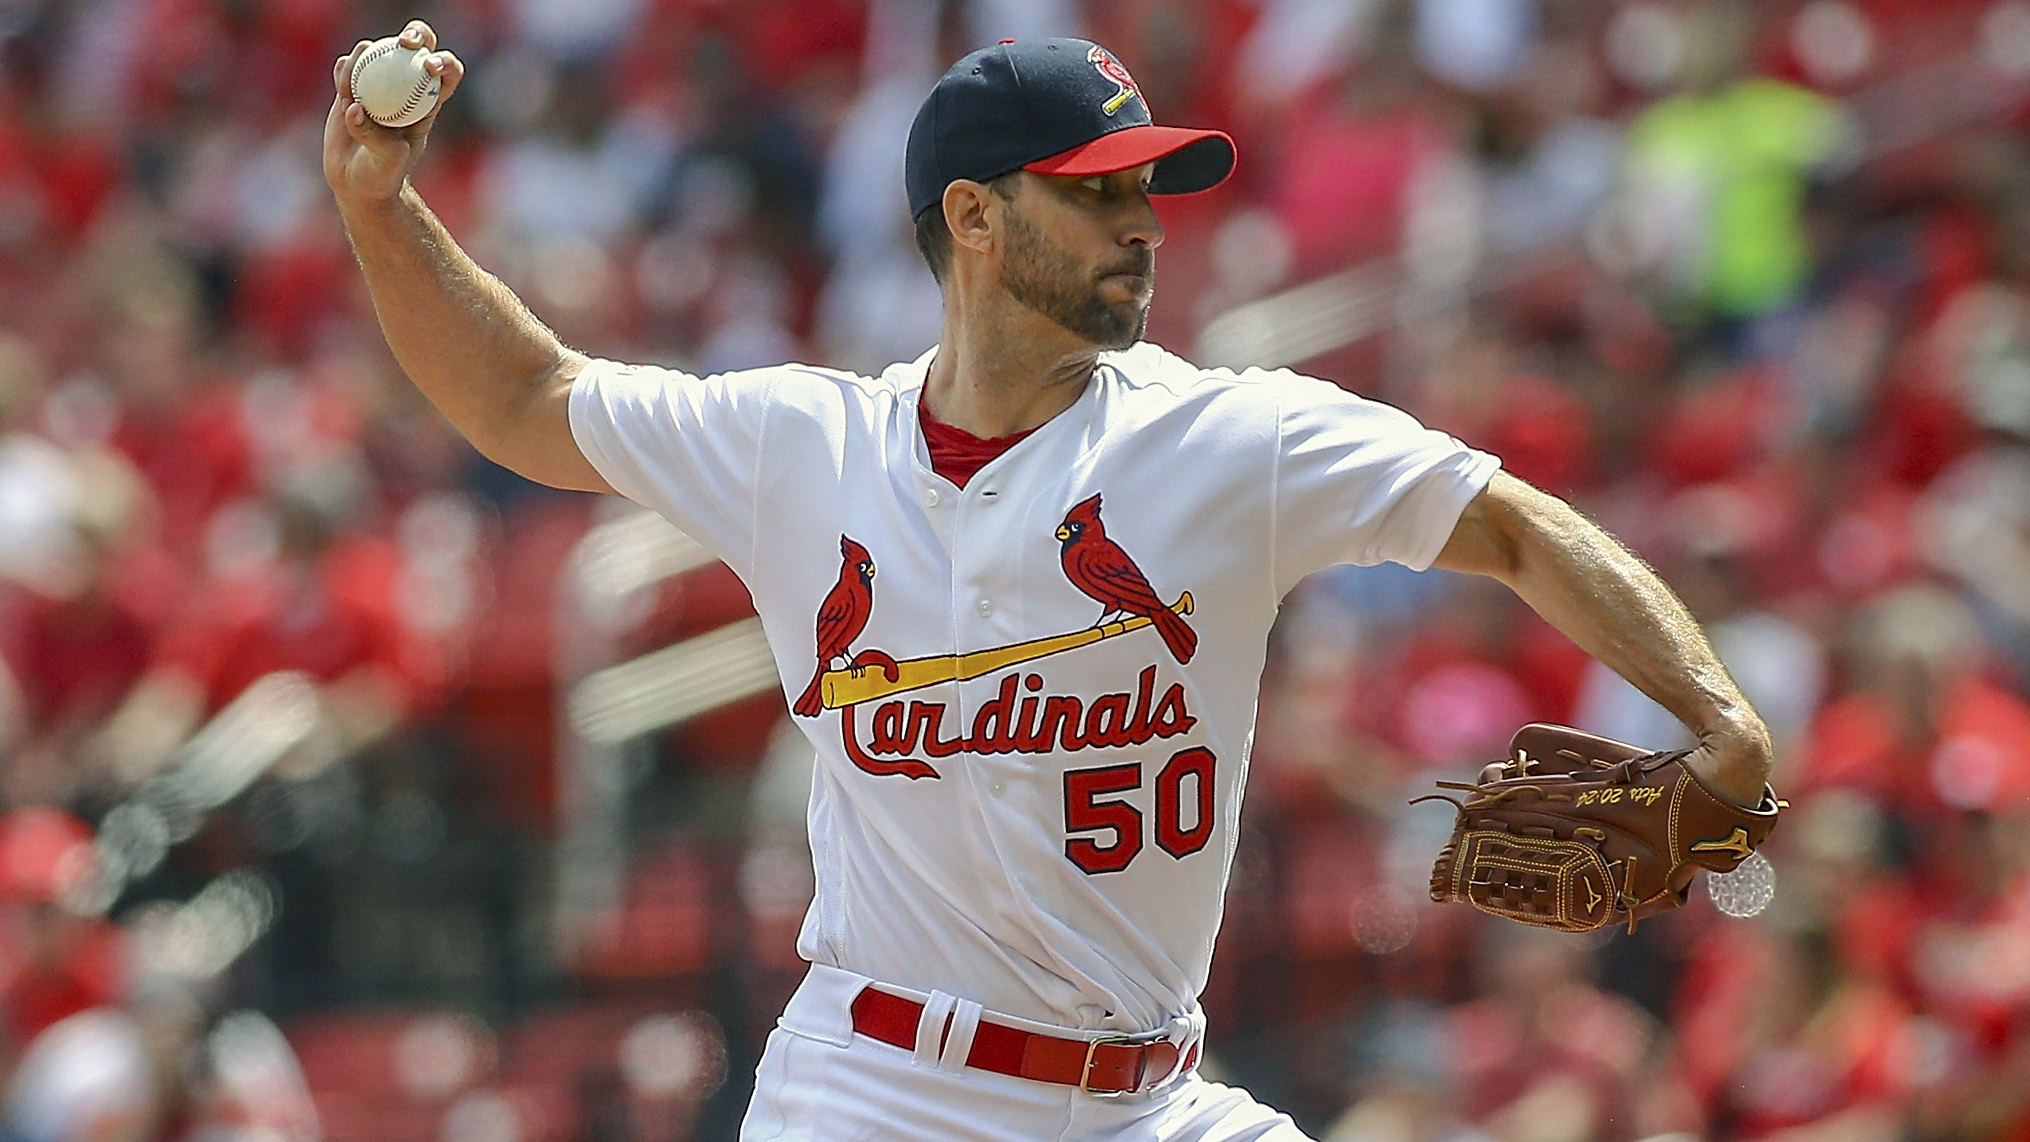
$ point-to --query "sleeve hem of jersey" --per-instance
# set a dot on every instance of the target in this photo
(754, 481)
(1275, 580)
(1472, 482)
(579, 413)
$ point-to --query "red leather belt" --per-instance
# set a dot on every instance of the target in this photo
(1105, 1066)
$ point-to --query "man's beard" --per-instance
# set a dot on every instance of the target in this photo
(1047, 280)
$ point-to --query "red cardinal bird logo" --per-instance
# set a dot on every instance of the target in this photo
(841, 618)
(1125, 86)
(1098, 566)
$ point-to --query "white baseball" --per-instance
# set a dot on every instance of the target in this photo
(389, 81)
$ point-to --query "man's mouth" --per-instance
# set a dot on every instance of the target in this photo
(1138, 270)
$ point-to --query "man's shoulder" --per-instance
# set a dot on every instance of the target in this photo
(823, 383)
(1148, 367)
(789, 383)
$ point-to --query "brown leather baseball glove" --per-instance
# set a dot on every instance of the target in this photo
(1575, 832)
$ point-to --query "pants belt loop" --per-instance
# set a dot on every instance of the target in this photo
(1187, 1031)
(930, 1028)
(959, 1043)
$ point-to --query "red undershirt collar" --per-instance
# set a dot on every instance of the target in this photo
(957, 454)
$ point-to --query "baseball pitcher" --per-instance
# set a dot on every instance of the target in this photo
(1019, 591)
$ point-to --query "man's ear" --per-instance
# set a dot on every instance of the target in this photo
(970, 215)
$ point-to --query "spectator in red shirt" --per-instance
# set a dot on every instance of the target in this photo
(1922, 730)
(323, 606)
(57, 956)
(76, 654)
(1548, 1054)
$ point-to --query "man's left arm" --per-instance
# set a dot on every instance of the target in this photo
(1585, 583)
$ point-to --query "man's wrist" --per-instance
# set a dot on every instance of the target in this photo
(1741, 756)
(368, 209)
(1739, 731)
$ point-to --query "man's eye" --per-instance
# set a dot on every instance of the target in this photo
(1094, 183)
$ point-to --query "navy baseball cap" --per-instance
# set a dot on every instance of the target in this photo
(1054, 106)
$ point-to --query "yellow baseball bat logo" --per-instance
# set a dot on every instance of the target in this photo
(857, 684)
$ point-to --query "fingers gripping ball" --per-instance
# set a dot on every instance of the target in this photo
(389, 81)
(1577, 832)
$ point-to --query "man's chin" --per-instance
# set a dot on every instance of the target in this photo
(1131, 321)
(1098, 322)
(1139, 326)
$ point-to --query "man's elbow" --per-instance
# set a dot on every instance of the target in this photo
(532, 437)
(1497, 527)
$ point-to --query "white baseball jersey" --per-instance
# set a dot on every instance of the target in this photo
(1028, 778)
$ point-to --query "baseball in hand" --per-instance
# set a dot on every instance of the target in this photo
(389, 81)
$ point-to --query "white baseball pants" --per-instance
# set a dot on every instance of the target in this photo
(820, 1082)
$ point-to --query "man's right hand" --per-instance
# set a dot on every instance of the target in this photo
(465, 339)
(365, 162)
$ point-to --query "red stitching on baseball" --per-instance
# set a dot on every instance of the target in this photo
(421, 89)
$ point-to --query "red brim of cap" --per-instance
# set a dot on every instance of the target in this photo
(1188, 159)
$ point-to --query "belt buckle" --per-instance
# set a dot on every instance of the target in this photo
(1085, 1073)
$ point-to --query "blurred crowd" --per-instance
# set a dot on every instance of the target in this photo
(286, 775)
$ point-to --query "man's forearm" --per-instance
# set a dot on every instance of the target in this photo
(1585, 583)
(464, 338)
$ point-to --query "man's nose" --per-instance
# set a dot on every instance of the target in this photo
(1142, 226)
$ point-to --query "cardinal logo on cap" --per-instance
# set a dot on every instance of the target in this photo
(1110, 67)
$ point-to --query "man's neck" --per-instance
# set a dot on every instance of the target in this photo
(1005, 369)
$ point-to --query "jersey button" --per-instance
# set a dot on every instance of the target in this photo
(930, 497)
(997, 787)
(986, 608)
